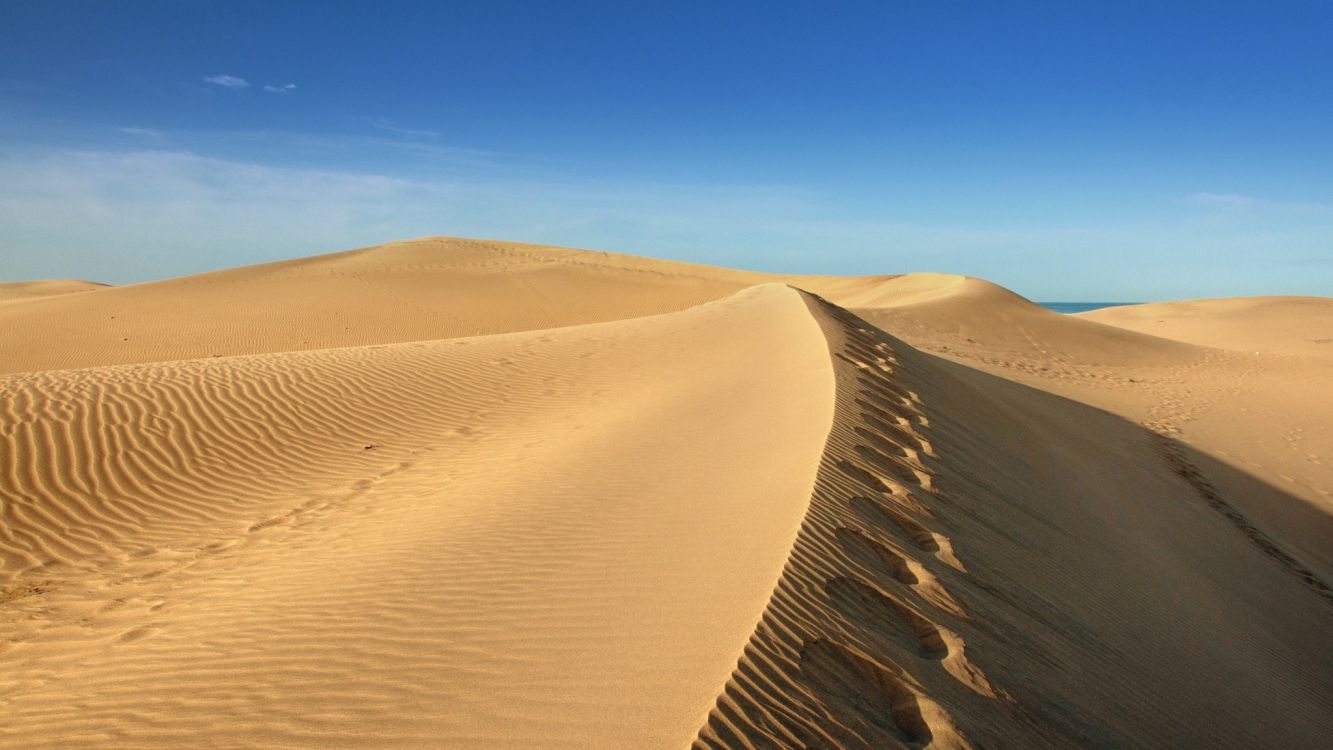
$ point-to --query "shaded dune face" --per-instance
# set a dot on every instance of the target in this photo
(922, 605)
(1241, 381)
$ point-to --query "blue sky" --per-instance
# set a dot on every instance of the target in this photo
(1070, 150)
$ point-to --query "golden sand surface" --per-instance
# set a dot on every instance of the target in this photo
(448, 493)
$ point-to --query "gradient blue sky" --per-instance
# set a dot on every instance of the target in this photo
(1068, 150)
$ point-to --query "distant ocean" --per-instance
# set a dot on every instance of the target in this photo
(1078, 307)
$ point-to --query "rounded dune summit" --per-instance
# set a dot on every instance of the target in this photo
(26, 290)
(1276, 325)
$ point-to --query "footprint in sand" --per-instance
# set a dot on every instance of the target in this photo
(881, 516)
(864, 697)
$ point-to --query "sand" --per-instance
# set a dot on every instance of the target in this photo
(27, 290)
(1265, 413)
(454, 493)
(1267, 325)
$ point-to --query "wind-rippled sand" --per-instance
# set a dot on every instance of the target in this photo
(450, 493)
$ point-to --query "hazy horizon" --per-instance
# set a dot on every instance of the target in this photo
(1071, 154)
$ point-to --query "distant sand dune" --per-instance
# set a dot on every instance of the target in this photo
(451, 493)
(404, 291)
(17, 291)
(1287, 325)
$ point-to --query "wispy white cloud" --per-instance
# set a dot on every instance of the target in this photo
(150, 133)
(389, 127)
(227, 82)
(153, 212)
(343, 148)
(1256, 208)
(284, 89)
(1223, 200)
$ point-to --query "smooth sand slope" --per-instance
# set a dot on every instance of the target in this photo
(659, 504)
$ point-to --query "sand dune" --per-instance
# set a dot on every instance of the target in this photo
(450, 493)
(507, 541)
(964, 313)
(1183, 389)
(1283, 325)
(430, 288)
(402, 291)
(26, 290)
(1051, 586)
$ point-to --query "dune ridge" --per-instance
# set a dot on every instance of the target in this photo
(849, 654)
(443, 287)
(423, 289)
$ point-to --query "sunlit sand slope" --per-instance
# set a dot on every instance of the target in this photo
(553, 539)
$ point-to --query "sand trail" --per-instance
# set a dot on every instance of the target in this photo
(848, 654)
